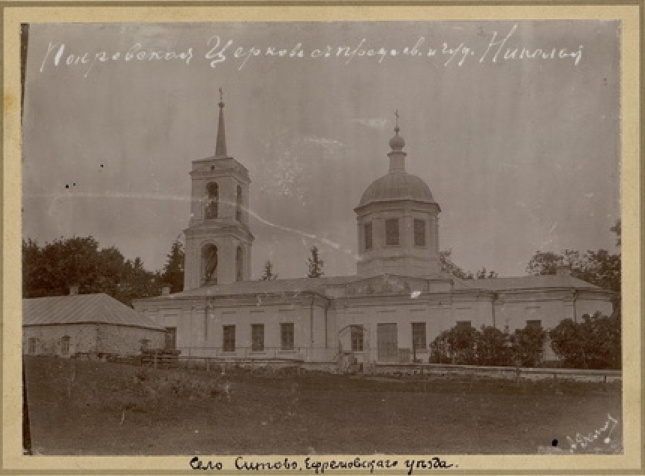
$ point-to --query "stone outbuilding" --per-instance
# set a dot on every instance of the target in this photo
(90, 324)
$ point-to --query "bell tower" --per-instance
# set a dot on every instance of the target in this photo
(218, 239)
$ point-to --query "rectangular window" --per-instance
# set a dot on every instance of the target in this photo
(357, 338)
(419, 335)
(257, 337)
(534, 324)
(229, 339)
(64, 345)
(367, 230)
(462, 324)
(419, 233)
(286, 336)
(392, 231)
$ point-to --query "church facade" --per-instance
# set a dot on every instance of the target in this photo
(390, 311)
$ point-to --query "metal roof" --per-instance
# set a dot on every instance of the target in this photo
(319, 285)
(274, 286)
(536, 283)
(82, 309)
(397, 186)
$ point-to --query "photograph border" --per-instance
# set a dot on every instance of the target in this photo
(630, 13)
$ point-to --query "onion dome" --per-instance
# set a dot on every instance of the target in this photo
(397, 142)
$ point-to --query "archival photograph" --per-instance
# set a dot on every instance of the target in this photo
(322, 238)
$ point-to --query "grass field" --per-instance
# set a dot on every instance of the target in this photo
(95, 408)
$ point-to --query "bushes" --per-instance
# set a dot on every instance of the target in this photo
(528, 346)
(493, 347)
(593, 343)
(456, 346)
(468, 346)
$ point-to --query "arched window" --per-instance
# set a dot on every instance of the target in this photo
(238, 204)
(209, 264)
(212, 200)
(239, 264)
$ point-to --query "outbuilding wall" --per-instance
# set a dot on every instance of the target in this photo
(82, 338)
(124, 340)
(90, 339)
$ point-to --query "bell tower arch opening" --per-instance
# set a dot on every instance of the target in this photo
(212, 200)
(238, 203)
(210, 261)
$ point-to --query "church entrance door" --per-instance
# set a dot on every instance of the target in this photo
(387, 343)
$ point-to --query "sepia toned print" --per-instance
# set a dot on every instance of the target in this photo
(322, 238)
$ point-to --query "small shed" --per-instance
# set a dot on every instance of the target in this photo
(92, 324)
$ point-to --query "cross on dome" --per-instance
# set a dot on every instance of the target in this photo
(397, 142)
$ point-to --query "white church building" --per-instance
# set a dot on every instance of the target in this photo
(398, 301)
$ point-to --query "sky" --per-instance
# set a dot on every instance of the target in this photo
(515, 126)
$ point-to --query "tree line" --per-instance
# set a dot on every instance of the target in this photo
(51, 269)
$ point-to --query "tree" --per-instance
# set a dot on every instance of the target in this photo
(593, 343)
(528, 345)
(448, 266)
(52, 269)
(137, 282)
(493, 347)
(463, 344)
(483, 274)
(600, 268)
(268, 274)
(315, 263)
(457, 345)
(173, 271)
(547, 262)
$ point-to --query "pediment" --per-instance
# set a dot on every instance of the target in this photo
(380, 285)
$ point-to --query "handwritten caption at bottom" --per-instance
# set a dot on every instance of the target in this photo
(322, 465)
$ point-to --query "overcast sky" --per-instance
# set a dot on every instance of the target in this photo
(522, 153)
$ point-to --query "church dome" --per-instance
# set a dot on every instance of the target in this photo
(397, 186)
